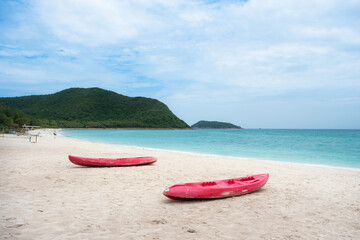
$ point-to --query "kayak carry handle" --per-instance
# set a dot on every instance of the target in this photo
(205, 184)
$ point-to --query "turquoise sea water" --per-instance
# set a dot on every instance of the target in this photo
(339, 148)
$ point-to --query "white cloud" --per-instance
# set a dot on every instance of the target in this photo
(225, 51)
(96, 22)
(243, 44)
(20, 73)
(67, 52)
(18, 52)
(343, 35)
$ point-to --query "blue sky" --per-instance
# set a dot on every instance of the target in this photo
(258, 64)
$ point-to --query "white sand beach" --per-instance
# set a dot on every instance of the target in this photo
(44, 196)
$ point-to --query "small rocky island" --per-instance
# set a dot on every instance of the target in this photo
(214, 125)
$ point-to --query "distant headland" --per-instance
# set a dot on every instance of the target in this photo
(214, 124)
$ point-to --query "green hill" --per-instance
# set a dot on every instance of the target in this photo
(94, 108)
(215, 124)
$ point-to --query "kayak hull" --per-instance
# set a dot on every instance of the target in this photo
(216, 189)
(111, 162)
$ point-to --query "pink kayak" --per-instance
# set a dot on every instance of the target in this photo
(111, 162)
(216, 189)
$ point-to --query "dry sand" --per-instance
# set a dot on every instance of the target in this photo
(44, 196)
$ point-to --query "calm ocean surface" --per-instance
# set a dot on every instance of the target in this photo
(340, 148)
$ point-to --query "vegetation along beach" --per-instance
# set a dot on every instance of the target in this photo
(186, 119)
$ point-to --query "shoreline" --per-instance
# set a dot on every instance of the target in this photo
(44, 196)
(223, 156)
(136, 128)
(139, 128)
(216, 155)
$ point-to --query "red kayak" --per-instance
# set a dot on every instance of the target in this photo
(216, 189)
(111, 162)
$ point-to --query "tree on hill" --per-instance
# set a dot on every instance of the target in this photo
(12, 118)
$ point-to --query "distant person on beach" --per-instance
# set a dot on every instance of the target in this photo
(54, 134)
